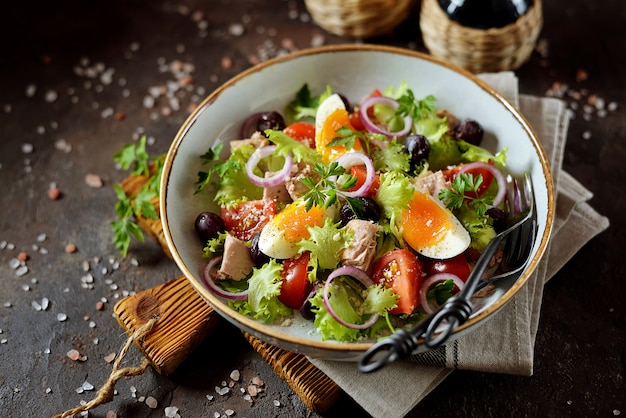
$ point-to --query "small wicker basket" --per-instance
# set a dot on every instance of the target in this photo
(480, 50)
(358, 19)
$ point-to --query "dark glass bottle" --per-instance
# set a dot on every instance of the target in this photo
(485, 14)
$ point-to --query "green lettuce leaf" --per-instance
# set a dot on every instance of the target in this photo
(263, 291)
(326, 243)
(234, 184)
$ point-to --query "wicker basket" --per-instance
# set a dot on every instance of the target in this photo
(480, 50)
(358, 19)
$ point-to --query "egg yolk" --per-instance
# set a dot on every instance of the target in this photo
(294, 220)
(425, 223)
(336, 120)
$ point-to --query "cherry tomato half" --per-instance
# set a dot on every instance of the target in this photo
(247, 218)
(295, 286)
(303, 132)
(400, 270)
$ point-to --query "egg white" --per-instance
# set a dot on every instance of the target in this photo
(455, 240)
(326, 108)
(272, 240)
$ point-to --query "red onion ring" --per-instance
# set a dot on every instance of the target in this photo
(497, 174)
(362, 278)
(213, 287)
(275, 179)
(372, 127)
(434, 279)
(357, 158)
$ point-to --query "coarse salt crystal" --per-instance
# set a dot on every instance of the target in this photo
(171, 411)
(276, 402)
(151, 402)
(87, 386)
(51, 96)
(31, 89)
(27, 148)
(93, 180)
(61, 317)
(235, 375)
(21, 271)
(236, 29)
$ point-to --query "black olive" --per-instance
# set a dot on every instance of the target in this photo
(258, 258)
(418, 148)
(369, 211)
(208, 225)
(469, 131)
(499, 219)
(270, 120)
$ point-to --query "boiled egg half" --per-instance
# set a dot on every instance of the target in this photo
(431, 229)
(279, 236)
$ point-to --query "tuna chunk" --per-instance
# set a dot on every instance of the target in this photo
(362, 248)
(236, 260)
(294, 186)
(433, 183)
(257, 139)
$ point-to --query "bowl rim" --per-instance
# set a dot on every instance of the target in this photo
(293, 341)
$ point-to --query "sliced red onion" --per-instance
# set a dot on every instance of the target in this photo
(497, 174)
(213, 287)
(275, 179)
(433, 280)
(357, 158)
(362, 278)
(372, 127)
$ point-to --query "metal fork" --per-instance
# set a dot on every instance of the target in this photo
(516, 241)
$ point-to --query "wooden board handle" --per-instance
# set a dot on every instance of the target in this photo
(185, 319)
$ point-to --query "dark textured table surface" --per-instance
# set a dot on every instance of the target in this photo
(74, 78)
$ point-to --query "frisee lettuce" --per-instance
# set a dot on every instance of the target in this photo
(326, 243)
(263, 291)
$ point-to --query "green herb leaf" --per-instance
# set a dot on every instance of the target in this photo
(455, 197)
(129, 208)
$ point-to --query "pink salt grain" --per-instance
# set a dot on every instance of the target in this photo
(73, 355)
(93, 180)
(54, 193)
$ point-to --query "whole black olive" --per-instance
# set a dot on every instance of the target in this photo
(418, 148)
(208, 225)
(469, 131)
(368, 211)
(258, 258)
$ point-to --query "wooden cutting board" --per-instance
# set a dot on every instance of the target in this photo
(185, 320)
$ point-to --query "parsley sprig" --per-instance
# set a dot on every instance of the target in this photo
(347, 137)
(455, 197)
(127, 208)
(333, 180)
(417, 109)
(212, 154)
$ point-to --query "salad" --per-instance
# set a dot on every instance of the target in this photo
(361, 217)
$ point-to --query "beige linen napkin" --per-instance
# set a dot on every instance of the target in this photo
(506, 343)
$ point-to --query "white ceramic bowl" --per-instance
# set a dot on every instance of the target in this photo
(353, 70)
